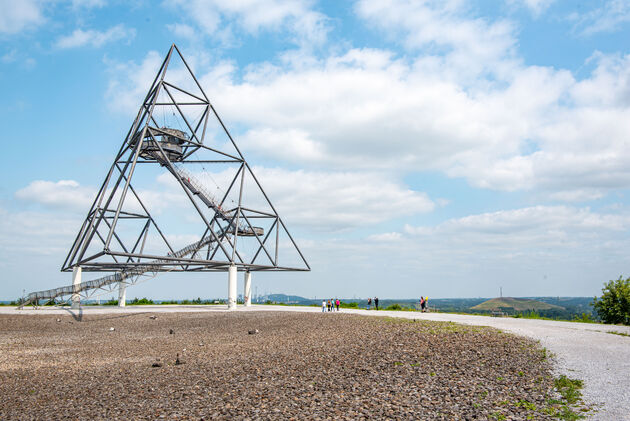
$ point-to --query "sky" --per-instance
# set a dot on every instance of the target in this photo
(444, 148)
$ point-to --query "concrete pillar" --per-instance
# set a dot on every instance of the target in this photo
(76, 280)
(232, 287)
(122, 294)
(247, 290)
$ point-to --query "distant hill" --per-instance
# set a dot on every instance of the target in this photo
(517, 304)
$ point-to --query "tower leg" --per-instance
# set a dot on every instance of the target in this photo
(232, 288)
(122, 294)
(76, 280)
(247, 293)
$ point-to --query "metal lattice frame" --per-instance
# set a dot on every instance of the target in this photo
(144, 144)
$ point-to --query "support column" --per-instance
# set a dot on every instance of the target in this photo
(232, 287)
(76, 280)
(247, 293)
(122, 294)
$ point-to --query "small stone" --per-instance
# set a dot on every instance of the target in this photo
(152, 317)
(111, 329)
(171, 331)
(253, 331)
(178, 361)
(58, 320)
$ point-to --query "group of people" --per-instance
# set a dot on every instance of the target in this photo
(330, 305)
(424, 303)
(370, 301)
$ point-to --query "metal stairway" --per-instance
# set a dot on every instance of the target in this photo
(207, 198)
(104, 281)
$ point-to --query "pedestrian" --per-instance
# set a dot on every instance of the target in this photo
(323, 306)
(423, 303)
(369, 302)
(376, 303)
(337, 302)
(426, 304)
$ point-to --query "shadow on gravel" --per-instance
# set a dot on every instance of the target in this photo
(78, 316)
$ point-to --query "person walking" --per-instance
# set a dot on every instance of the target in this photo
(323, 306)
(422, 304)
(369, 302)
(376, 303)
(337, 303)
(426, 304)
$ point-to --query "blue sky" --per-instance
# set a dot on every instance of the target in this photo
(441, 148)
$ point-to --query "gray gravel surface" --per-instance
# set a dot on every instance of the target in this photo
(298, 365)
(584, 351)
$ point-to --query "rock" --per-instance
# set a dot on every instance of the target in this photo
(111, 329)
(253, 331)
(157, 363)
(58, 320)
(171, 331)
(153, 317)
(178, 361)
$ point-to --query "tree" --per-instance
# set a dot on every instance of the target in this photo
(614, 305)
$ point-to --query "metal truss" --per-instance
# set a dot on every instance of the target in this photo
(99, 245)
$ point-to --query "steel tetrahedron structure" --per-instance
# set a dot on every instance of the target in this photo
(178, 139)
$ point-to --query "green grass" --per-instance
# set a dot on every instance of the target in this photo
(613, 332)
(571, 398)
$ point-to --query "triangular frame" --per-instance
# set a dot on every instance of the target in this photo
(148, 143)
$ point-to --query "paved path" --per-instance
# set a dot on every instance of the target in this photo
(583, 350)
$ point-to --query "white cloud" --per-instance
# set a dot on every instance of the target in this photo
(385, 237)
(130, 82)
(608, 18)
(217, 17)
(36, 233)
(18, 15)
(539, 235)
(88, 4)
(183, 30)
(543, 220)
(81, 38)
(535, 6)
(470, 46)
(339, 200)
(61, 194)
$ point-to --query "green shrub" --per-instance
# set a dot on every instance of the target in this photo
(394, 306)
(614, 305)
(141, 301)
(111, 302)
(349, 305)
(584, 318)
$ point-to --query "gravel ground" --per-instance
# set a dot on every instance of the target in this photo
(298, 365)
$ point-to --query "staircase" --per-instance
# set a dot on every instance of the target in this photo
(51, 294)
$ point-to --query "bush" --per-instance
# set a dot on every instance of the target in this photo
(141, 301)
(394, 307)
(614, 305)
(349, 305)
(111, 302)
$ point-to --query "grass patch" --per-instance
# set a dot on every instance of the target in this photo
(569, 389)
(571, 398)
(613, 332)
